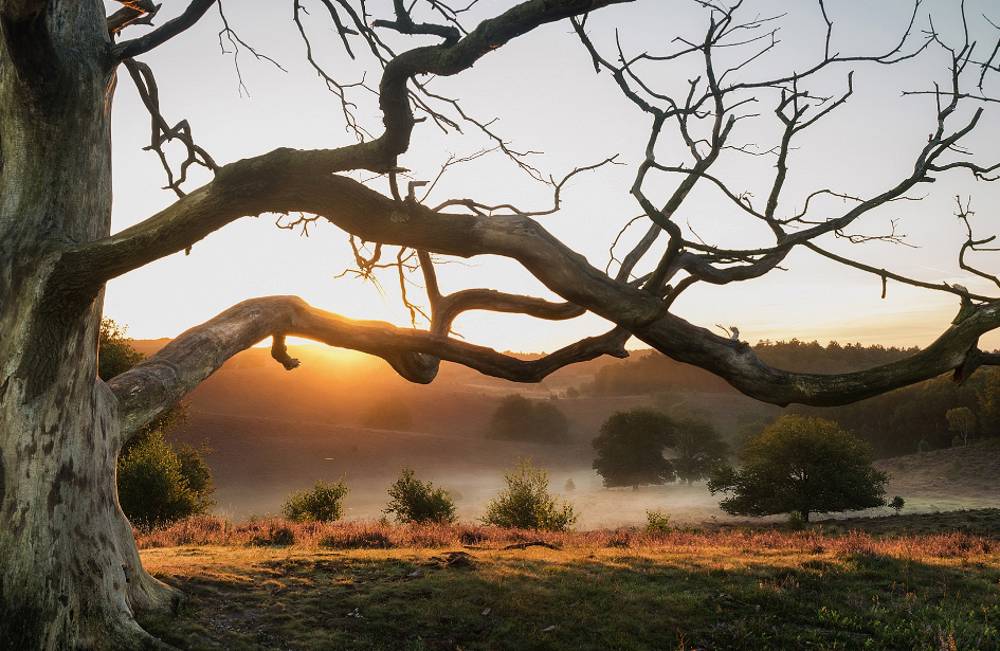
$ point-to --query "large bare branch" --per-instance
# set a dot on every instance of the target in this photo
(147, 390)
(274, 184)
(306, 181)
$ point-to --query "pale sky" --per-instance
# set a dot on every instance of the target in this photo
(543, 89)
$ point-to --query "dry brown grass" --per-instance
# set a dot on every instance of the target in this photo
(207, 530)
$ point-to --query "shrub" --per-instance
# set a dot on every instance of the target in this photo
(657, 522)
(321, 503)
(801, 465)
(270, 533)
(527, 504)
(519, 419)
(412, 500)
(158, 484)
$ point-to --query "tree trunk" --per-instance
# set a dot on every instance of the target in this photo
(70, 575)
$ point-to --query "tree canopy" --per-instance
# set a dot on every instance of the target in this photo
(630, 448)
(800, 465)
(697, 448)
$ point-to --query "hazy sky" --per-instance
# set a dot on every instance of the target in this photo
(544, 91)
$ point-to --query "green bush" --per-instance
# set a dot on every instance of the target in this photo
(115, 353)
(158, 484)
(322, 503)
(657, 522)
(526, 503)
(412, 500)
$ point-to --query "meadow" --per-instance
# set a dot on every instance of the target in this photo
(868, 583)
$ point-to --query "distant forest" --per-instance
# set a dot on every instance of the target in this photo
(900, 422)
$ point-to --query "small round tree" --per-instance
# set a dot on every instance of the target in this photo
(527, 504)
(412, 500)
(630, 448)
(801, 465)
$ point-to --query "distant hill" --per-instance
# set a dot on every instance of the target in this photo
(959, 477)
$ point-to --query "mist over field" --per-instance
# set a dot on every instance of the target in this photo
(272, 432)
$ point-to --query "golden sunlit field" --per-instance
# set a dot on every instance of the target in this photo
(275, 585)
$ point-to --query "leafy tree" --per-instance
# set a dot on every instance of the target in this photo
(630, 448)
(321, 503)
(158, 482)
(527, 504)
(412, 500)
(697, 448)
(961, 422)
(897, 504)
(801, 465)
(519, 419)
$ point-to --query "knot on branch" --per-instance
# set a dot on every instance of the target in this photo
(279, 351)
(415, 367)
(967, 307)
(974, 358)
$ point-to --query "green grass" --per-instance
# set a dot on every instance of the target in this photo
(772, 591)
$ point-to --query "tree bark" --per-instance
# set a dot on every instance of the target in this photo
(70, 575)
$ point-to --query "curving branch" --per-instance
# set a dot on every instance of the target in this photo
(152, 387)
(162, 34)
(308, 182)
(161, 132)
(252, 185)
(449, 307)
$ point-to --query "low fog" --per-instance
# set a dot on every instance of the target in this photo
(269, 432)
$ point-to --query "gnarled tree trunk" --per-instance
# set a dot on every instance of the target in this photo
(70, 575)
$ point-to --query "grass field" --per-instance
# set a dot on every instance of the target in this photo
(865, 584)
